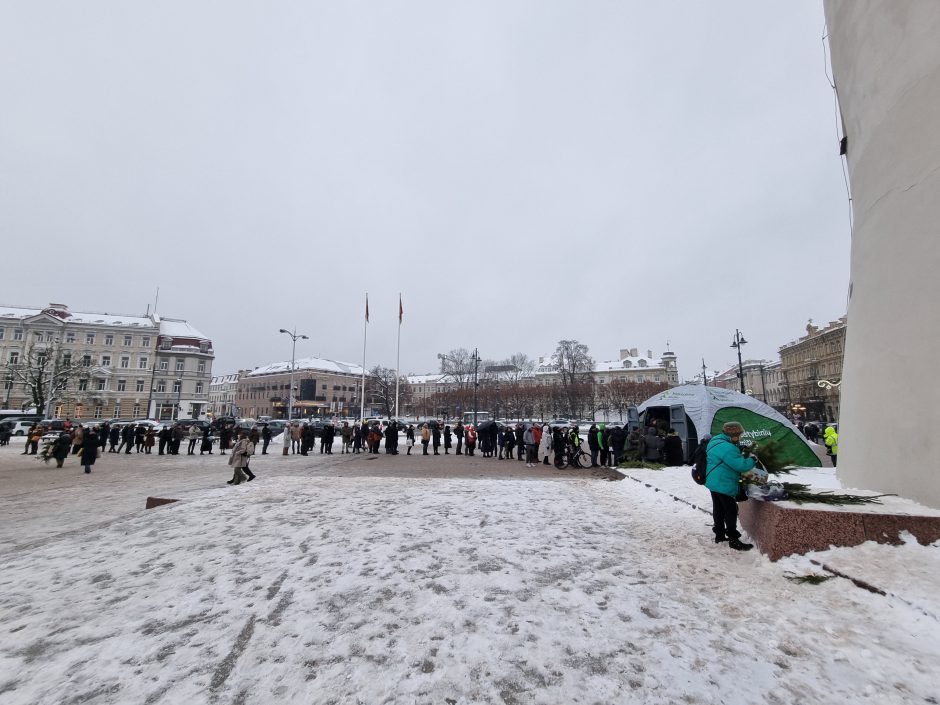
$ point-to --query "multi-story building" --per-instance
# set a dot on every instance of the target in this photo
(630, 367)
(761, 380)
(811, 371)
(321, 388)
(222, 392)
(101, 365)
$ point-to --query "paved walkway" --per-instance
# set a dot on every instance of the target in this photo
(41, 501)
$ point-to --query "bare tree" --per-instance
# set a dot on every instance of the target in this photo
(458, 364)
(575, 368)
(45, 372)
(380, 387)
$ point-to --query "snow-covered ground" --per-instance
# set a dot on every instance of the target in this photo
(328, 589)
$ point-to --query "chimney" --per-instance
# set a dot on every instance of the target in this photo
(633, 352)
(649, 354)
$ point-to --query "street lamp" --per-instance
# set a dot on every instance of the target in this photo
(737, 343)
(179, 396)
(294, 336)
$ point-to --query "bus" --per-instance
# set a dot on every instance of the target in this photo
(481, 417)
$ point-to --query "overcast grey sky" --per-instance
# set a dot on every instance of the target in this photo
(621, 173)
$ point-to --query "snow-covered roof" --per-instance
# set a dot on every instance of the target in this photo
(627, 363)
(225, 379)
(81, 317)
(436, 378)
(176, 328)
(317, 364)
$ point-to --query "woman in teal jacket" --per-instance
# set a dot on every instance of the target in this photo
(726, 464)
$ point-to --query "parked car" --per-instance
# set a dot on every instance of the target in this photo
(17, 427)
(52, 425)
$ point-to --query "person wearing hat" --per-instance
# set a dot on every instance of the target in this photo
(726, 465)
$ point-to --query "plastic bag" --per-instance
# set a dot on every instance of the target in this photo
(769, 492)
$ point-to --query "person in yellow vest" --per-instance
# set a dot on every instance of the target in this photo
(831, 439)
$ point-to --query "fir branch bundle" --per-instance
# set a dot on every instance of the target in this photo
(801, 494)
(771, 459)
(810, 579)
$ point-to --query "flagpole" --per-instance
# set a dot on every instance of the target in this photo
(365, 332)
(398, 356)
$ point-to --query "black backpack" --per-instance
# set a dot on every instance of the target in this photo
(700, 464)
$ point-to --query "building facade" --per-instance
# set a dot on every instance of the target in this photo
(102, 366)
(222, 393)
(322, 388)
(811, 372)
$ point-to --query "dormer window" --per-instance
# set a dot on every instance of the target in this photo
(627, 364)
(642, 363)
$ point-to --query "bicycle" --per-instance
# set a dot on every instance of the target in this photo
(577, 459)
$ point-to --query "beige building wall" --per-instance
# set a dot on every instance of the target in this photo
(886, 64)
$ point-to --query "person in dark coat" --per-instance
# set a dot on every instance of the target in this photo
(206, 445)
(89, 450)
(520, 442)
(391, 438)
(329, 432)
(225, 436)
(509, 438)
(618, 441)
(177, 437)
(140, 433)
(127, 438)
(357, 438)
(103, 434)
(308, 438)
(60, 448)
(447, 439)
(593, 444)
(672, 449)
(436, 438)
(265, 439)
(114, 436)
(409, 438)
(458, 431)
(163, 437)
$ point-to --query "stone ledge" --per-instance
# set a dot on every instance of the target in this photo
(158, 501)
(781, 530)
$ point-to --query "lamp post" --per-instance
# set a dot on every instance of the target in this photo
(737, 343)
(179, 396)
(294, 336)
(6, 404)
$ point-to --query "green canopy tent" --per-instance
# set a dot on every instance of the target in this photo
(696, 410)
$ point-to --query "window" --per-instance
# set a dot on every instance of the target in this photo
(142, 363)
(125, 361)
(58, 411)
(70, 337)
(164, 363)
(89, 338)
(122, 385)
(79, 409)
(198, 387)
(161, 386)
(177, 386)
(117, 410)
(97, 412)
(14, 358)
(83, 385)
(140, 385)
(48, 336)
(145, 341)
(1, 333)
(136, 410)
(17, 334)
(106, 361)
(128, 341)
(180, 364)
(67, 359)
(86, 360)
(201, 366)
(99, 385)
(109, 339)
